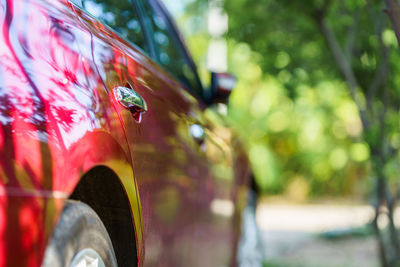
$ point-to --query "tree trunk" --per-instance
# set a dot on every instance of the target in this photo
(389, 250)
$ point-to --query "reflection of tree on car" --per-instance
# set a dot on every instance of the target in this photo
(146, 179)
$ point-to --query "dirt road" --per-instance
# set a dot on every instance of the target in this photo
(291, 235)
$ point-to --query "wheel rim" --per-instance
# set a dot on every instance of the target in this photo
(87, 258)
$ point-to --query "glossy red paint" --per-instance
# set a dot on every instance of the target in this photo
(59, 119)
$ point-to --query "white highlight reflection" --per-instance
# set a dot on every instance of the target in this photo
(222, 207)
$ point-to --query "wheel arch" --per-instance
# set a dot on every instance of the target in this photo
(98, 171)
(101, 189)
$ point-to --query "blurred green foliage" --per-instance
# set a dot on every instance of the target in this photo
(292, 105)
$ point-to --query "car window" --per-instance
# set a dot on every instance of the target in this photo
(122, 16)
(169, 49)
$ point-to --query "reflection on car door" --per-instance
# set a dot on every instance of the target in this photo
(169, 165)
(213, 241)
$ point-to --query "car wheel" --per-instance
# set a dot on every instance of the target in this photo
(249, 252)
(79, 239)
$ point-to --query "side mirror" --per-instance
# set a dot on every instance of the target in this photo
(222, 85)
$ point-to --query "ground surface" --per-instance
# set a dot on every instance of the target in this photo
(291, 235)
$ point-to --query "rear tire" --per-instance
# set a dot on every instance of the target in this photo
(249, 252)
(79, 239)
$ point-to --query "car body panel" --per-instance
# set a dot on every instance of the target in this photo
(59, 119)
(162, 152)
(57, 122)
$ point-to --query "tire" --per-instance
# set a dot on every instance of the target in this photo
(249, 252)
(79, 237)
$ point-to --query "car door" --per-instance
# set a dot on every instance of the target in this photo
(169, 165)
(214, 237)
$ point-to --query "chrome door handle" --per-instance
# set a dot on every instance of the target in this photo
(197, 132)
(131, 100)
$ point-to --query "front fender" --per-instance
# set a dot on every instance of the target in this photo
(57, 122)
(99, 148)
(29, 212)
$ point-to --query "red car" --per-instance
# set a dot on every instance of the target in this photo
(109, 154)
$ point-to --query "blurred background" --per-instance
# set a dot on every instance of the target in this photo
(317, 106)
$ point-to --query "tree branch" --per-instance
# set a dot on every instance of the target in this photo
(344, 67)
(381, 73)
(351, 36)
(393, 10)
(382, 70)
